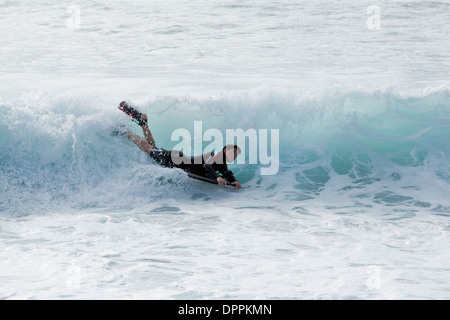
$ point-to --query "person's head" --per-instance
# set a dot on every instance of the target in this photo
(231, 151)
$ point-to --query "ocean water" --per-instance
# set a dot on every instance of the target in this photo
(359, 92)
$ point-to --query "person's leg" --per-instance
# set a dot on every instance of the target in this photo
(143, 144)
(147, 133)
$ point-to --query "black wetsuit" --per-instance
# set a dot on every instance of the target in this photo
(196, 165)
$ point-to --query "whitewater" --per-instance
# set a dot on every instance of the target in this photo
(359, 207)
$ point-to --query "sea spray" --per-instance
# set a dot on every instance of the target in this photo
(62, 150)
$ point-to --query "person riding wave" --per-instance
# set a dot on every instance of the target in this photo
(212, 164)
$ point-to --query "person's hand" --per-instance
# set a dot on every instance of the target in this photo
(237, 184)
(221, 182)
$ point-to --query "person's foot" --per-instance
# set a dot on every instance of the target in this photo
(135, 114)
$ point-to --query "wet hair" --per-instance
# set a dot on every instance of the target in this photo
(230, 146)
